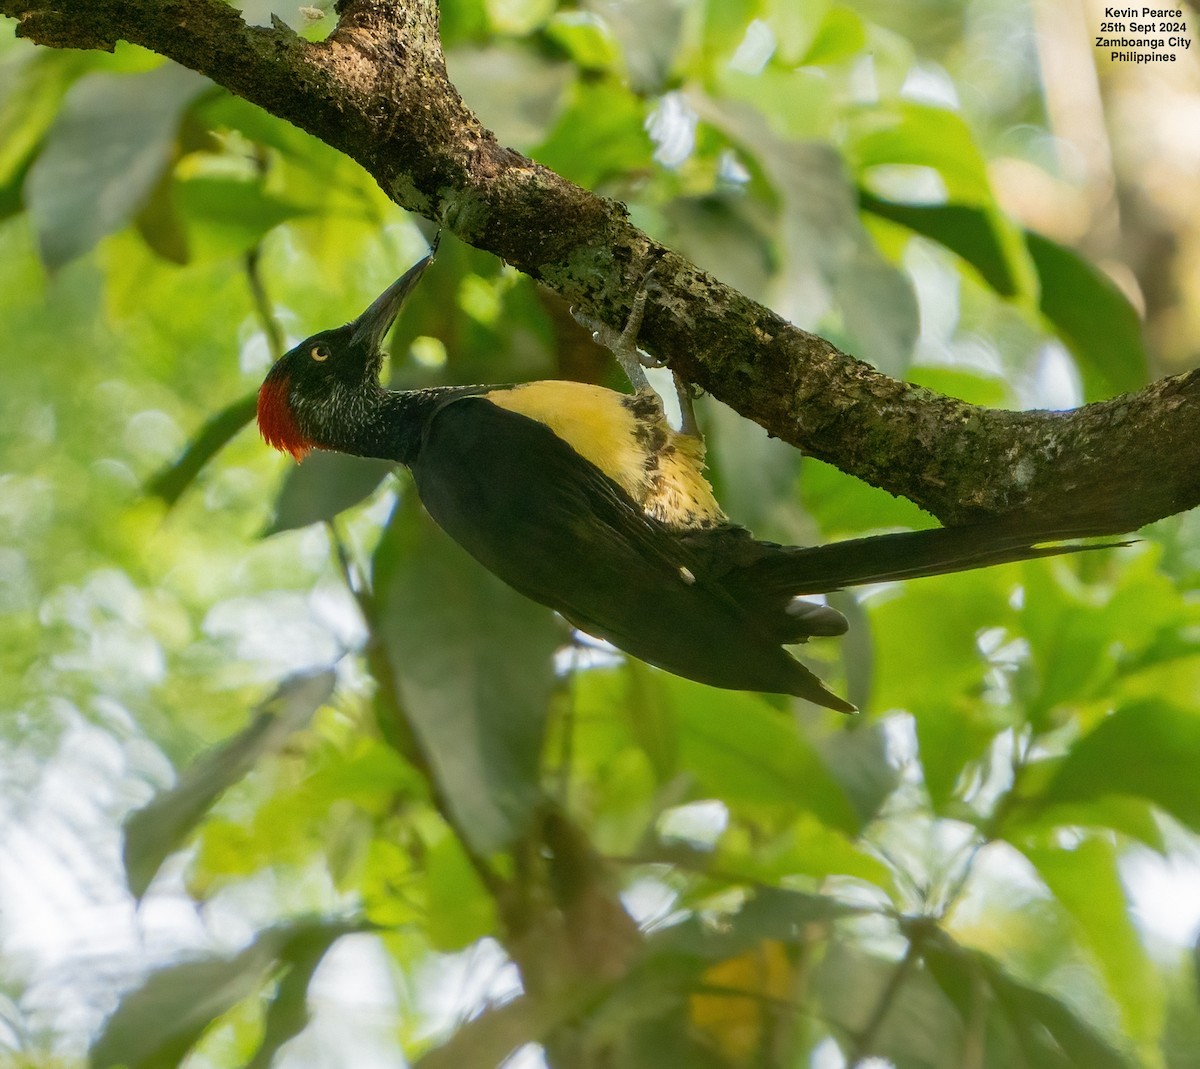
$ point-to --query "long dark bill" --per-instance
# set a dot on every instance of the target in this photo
(376, 321)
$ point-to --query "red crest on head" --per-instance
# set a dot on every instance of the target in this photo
(276, 423)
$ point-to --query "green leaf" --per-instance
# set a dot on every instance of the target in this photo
(1083, 305)
(751, 472)
(585, 37)
(856, 752)
(973, 387)
(159, 224)
(1093, 317)
(949, 738)
(804, 847)
(967, 231)
(1086, 882)
(515, 90)
(598, 137)
(879, 319)
(1070, 640)
(597, 739)
(1040, 1031)
(1048, 1029)
(842, 505)
(160, 827)
(649, 35)
(856, 648)
(797, 103)
(156, 1025)
(172, 482)
(473, 663)
(287, 1014)
(112, 140)
(927, 652)
(904, 132)
(32, 84)
(464, 20)
(841, 36)
(460, 910)
(744, 752)
(324, 485)
(1148, 749)
(228, 216)
(825, 248)
(724, 26)
(1125, 814)
(653, 721)
(490, 1038)
(921, 1027)
(771, 913)
(224, 110)
(11, 201)
(793, 26)
(1086, 640)
(721, 234)
(517, 17)
(343, 207)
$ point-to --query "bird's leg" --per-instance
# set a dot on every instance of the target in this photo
(687, 414)
(633, 361)
(623, 344)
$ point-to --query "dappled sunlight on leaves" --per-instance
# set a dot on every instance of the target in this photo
(461, 830)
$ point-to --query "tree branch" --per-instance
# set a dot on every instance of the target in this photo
(377, 90)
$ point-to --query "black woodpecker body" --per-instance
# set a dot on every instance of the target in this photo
(587, 501)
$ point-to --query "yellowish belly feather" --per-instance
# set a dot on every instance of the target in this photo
(657, 466)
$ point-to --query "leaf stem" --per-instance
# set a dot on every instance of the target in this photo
(865, 1042)
(262, 303)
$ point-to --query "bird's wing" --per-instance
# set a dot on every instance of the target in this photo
(518, 497)
(548, 522)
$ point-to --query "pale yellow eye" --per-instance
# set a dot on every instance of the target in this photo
(319, 353)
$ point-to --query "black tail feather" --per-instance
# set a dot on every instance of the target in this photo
(795, 570)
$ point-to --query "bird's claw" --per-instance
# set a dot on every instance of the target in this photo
(687, 413)
(623, 343)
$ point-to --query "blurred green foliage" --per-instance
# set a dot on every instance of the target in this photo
(942, 882)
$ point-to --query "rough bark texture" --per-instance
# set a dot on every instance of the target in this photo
(377, 90)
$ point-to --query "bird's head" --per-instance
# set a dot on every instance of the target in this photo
(317, 391)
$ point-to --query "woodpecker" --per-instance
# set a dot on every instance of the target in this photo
(587, 500)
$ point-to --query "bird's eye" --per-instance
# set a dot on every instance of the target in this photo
(320, 353)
